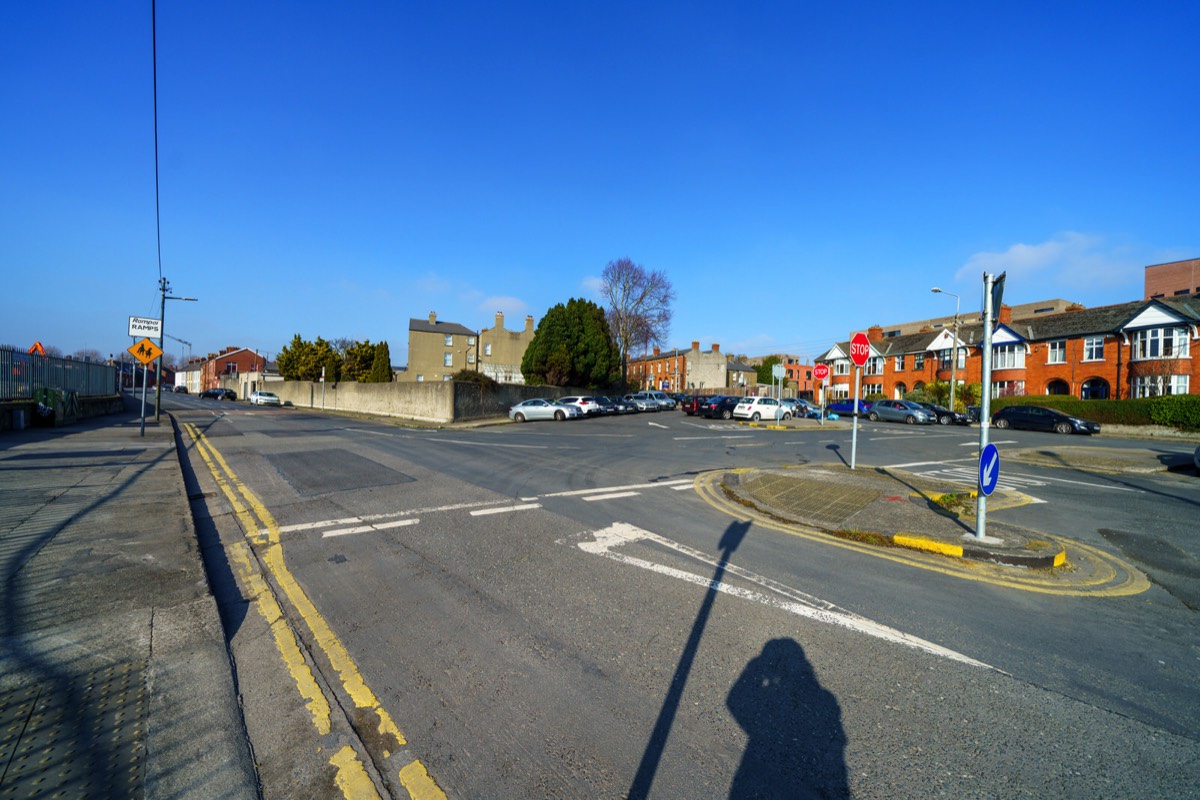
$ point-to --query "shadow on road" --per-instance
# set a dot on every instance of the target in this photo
(797, 742)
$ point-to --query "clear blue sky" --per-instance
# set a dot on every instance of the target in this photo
(799, 170)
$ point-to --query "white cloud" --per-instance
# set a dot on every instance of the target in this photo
(1070, 259)
(593, 286)
(508, 305)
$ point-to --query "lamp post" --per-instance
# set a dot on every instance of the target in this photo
(163, 287)
(954, 351)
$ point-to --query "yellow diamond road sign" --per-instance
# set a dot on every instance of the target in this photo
(145, 351)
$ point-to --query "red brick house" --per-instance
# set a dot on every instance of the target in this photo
(1137, 349)
(228, 363)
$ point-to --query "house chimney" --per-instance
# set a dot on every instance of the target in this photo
(716, 347)
(432, 317)
(695, 346)
(499, 320)
(529, 324)
(1005, 314)
(875, 333)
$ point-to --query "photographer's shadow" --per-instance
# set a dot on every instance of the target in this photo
(797, 743)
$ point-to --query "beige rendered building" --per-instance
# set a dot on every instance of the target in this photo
(501, 350)
(437, 350)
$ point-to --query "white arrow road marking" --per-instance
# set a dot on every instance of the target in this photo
(793, 601)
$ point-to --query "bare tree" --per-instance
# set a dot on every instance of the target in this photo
(639, 306)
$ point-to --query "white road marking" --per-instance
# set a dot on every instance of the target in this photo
(400, 523)
(577, 492)
(605, 541)
(438, 439)
(504, 510)
(683, 488)
(656, 425)
(976, 443)
(709, 438)
(924, 463)
(613, 496)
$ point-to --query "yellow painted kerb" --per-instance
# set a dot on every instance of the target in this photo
(930, 545)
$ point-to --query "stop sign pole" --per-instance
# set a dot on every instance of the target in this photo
(821, 373)
(860, 351)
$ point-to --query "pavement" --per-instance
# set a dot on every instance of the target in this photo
(115, 674)
(115, 678)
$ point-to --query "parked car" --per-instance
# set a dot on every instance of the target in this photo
(587, 405)
(756, 408)
(847, 407)
(720, 407)
(1037, 418)
(541, 408)
(181, 389)
(807, 409)
(665, 401)
(691, 404)
(622, 406)
(265, 399)
(900, 411)
(643, 401)
(607, 406)
(219, 394)
(945, 416)
(973, 413)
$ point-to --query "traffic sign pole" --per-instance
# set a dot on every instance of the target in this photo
(985, 402)
(854, 434)
(860, 353)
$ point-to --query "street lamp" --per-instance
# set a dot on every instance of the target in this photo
(954, 350)
(163, 287)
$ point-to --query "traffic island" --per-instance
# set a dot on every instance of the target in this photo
(889, 508)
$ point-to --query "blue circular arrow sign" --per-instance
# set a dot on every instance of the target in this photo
(989, 469)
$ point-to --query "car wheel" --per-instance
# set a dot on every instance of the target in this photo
(910, 420)
(786, 416)
(727, 414)
(1001, 423)
(519, 417)
(756, 416)
(944, 419)
(1062, 427)
(560, 415)
(873, 417)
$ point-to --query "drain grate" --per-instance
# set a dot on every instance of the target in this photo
(75, 738)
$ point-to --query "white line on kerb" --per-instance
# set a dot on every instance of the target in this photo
(504, 510)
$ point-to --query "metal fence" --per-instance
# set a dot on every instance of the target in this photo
(21, 374)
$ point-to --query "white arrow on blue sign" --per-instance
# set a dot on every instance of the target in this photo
(989, 469)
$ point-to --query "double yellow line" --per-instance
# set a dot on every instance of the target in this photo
(352, 776)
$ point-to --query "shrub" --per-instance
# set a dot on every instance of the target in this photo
(471, 376)
(1180, 411)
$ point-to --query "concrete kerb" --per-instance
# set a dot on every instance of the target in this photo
(886, 508)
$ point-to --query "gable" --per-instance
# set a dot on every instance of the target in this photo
(943, 341)
(1006, 335)
(1155, 316)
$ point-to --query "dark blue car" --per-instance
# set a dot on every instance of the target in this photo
(847, 407)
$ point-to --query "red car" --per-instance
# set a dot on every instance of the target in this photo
(694, 404)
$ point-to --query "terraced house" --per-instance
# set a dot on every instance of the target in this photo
(1143, 348)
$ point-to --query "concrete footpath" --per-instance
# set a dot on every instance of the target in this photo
(114, 676)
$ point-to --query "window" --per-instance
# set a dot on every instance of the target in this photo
(1157, 385)
(420, 378)
(1057, 352)
(943, 359)
(1008, 356)
(900, 363)
(1160, 343)
(841, 367)
(869, 389)
(1008, 388)
(1093, 348)
(445, 378)
(449, 340)
(487, 349)
(448, 360)
(875, 365)
(918, 361)
(470, 341)
(470, 358)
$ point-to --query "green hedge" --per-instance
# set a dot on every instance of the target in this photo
(1180, 411)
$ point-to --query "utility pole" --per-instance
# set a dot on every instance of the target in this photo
(163, 288)
(954, 351)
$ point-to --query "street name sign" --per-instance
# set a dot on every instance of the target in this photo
(860, 349)
(145, 326)
(989, 469)
(145, 351)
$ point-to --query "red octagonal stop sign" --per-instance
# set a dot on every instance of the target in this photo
(860, 349)
(821, 371)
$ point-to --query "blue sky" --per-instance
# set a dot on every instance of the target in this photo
(799, 170)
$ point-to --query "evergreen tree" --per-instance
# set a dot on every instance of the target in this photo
(357, 360)
(573, 346)
(381, 366)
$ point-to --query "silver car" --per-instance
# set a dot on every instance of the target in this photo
(901, 411)
(540, 408)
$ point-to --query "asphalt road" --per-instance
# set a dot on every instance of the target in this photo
(551, 610)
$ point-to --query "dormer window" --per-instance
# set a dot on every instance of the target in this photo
(1154, 343)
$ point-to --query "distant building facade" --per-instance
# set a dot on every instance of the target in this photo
(228, 364)
(1174, 279)
(501, 351)
(437, 350)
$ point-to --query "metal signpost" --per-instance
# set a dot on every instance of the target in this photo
(144, 351)
(993, 293)
(821, 373)
(860, 351)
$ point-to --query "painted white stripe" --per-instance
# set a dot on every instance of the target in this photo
(976, 443)
(437, 439)
(613, 496)
(400, 523)
(796, 603)
(577, 492)
(690, 438)
(683, 488)
(656, 425)
(366, 518)
(924, 463)
(481, 512)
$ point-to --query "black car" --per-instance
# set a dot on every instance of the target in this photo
(1036, 418)
(944, 415)
(181, 389)
(218, 394)
(720, 407)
